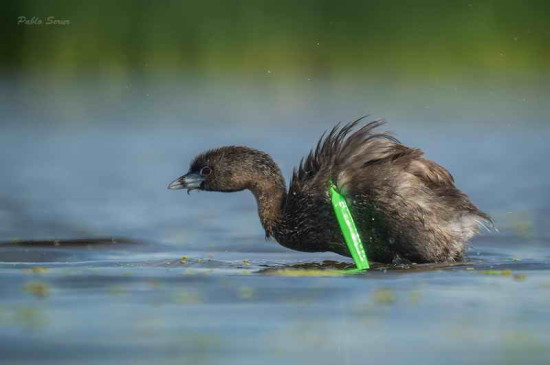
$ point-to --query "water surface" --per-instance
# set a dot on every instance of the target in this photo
(99, 263)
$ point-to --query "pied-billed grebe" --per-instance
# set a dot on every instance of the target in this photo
(404, 206)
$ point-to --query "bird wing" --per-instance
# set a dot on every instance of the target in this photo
(430, 173)
(342, 149)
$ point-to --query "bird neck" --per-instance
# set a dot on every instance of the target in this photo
(270, 193)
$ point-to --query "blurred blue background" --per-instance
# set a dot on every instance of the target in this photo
(100, 111)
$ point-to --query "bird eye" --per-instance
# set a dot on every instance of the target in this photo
(205, 171)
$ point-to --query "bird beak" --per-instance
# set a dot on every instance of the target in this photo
(190, 181)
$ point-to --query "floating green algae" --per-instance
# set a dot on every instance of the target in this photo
(495, 272)
(117, 290)
(187, 297)
(37, 288)
(507, 272)
(306, 272)
(37, 270)
(246, 292)
(384, 296)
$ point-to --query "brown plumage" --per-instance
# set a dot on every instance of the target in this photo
(404, 206)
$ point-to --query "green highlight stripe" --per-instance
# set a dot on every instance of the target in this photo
(347, 225)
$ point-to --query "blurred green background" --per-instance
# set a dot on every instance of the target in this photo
(252, 61)
(502, 41)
